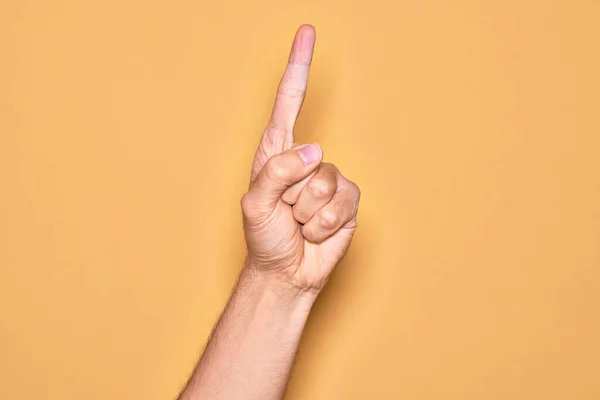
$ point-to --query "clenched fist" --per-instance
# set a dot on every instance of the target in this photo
(299, 212)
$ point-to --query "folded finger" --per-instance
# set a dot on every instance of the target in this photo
(316, 193)
(339, 212)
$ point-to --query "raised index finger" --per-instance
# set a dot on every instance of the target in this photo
(292, 87)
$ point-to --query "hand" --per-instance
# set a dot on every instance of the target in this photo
(299, 212)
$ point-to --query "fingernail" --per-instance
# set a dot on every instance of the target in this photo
(310, 153)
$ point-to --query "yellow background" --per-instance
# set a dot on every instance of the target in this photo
(127, 129)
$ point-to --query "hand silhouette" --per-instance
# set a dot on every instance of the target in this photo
(299, 212)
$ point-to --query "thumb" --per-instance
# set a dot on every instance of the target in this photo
(280, 172)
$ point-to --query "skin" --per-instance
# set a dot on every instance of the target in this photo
(299, 219)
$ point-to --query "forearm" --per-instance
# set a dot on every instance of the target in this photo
(252, 349)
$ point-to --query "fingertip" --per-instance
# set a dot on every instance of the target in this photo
(307, 30)
(304, 42)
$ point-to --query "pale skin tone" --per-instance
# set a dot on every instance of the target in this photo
(299, 219)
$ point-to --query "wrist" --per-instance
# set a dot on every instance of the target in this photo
(269, 283)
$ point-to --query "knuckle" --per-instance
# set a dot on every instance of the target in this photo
(253, 213)
(246, 203)
(329, 220)
(355, 190)
(276, 169)
(330, 166)
(344, 206)
(320, 187)
(275, 130)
